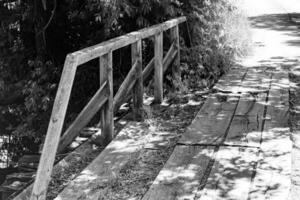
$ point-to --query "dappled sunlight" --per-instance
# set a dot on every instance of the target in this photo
(273, 174)
(230, 177)
(239, 145)
(218, 109)
(185, 177)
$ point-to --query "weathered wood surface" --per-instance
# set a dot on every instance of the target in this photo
(81, 154)
(231, 174)
(246, 126)
(174, 33)
(93, 52)
(108, 122)
(211, 123)
(158, 66)
(54, 129)
(138, 89)
(126, 86)
(168, 58)
(272, 180)
(84, 117)
(104, 51)
(230, 82)
(257, 81)
(103, 171)
(102, 80)
(181, 175)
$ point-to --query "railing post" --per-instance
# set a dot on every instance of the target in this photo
(158, 66)
(107, 118)
(54, 130)
(138, 91)
(175, 38)
(102, 79)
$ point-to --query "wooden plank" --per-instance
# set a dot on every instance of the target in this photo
(258, 80)
(148, 69)
(84, 117)
(138, 89)
(147, 72)
(230, 177)
(181, 175)
(158, 65)
(169, 57)
(104, 170)
(102, 80)
(98, 50)
(211, 123)
(176, 65)
(246, 126)
(54, 129)
(81, 154)
(230, 82)
(272, 180)
(126, 86)
(108, 126)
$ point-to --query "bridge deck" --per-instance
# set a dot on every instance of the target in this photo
(238, 146)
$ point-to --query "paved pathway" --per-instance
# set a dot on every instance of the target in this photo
(239, 146)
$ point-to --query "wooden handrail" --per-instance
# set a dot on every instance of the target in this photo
(103, 99)
(98, 50)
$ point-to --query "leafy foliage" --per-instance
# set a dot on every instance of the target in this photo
(219, 33)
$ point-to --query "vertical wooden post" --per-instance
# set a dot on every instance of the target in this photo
(108, 110)
(137, 92)
(158, 66)
(175, 38)
(54, 130)
(102, 79)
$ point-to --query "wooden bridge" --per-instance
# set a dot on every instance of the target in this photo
(238, 147)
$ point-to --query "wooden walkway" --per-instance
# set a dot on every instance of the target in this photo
(238, 147)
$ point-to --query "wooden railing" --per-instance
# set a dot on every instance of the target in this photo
(103, 100)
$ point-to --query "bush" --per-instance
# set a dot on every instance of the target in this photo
(219, 33)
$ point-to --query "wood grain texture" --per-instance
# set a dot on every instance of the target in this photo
(246, 126)
(230, 82)
(108, 126)
(84, 117)
(98, 50)
(174, 33)
(148, 69)
(138, 89)
(103, 172)
(211, 123)
(181, 175)
(81, 154)
(126, 86)
(257, 80)
(272, 180)
(102, 80)
(230, 177)
(158, 66)
(54, 129)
